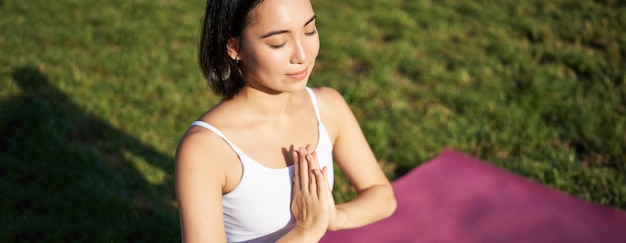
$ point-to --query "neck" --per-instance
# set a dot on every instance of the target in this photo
(264, 104)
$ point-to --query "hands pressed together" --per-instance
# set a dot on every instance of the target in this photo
(312, 203)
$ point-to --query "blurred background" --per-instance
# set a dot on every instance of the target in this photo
(95, 95)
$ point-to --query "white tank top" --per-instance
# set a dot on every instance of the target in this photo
(259, 208)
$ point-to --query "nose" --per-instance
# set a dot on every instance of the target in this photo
(299, 53)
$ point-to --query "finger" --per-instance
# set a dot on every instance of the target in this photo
(325, 185)
(296, 169)
(313, 161)
(314, 183)
(309, 150)
(303, 170)
(321, 185)
(313, 180)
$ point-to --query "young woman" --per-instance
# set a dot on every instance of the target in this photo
(258, 167)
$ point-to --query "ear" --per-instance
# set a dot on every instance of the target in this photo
(233, 47)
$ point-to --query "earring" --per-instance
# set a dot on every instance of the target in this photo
(237, 59)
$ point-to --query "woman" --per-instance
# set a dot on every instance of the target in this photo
(258, 167)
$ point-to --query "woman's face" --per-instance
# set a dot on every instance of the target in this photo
(279, 46)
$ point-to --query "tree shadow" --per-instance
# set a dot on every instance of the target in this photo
(70, 176)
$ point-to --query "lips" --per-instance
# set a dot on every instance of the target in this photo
(299, 75)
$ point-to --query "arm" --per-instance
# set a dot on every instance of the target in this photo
(375, 199)
(199, 183)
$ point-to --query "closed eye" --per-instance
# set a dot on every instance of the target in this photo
(311, 33)
(278, 46)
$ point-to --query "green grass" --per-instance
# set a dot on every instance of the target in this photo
(95, 96)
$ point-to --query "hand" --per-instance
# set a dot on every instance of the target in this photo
(312, 203)
(334, 220)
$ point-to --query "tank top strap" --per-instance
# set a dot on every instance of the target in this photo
(314, 101)
(219, 133)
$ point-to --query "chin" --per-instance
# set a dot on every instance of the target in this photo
(297, 86)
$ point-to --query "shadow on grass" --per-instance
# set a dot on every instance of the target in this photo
(70, 176)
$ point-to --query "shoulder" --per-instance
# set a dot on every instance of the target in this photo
(327, 95)
(334, 110)
(331, 102)
(198, 141)
(202, 151)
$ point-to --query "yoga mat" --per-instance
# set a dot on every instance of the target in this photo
(457, 198)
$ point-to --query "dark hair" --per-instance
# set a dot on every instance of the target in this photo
(223, 19)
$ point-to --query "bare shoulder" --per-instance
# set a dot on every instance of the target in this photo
(199, 141)
(335, 112)
(327, 95)
(201, 150)
(331, 102)
(202, 146)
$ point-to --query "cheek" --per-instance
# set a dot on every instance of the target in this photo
(265, 61)
(313, 47)
(272, 60)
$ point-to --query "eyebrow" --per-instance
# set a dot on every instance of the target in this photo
(278, 32)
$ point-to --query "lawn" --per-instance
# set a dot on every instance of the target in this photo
(95, 96)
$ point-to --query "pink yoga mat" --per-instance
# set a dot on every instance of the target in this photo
(457, 198)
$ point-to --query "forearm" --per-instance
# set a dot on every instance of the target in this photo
(300, 235)
(370, 205)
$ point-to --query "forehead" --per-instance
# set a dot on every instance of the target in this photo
(280, 14)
